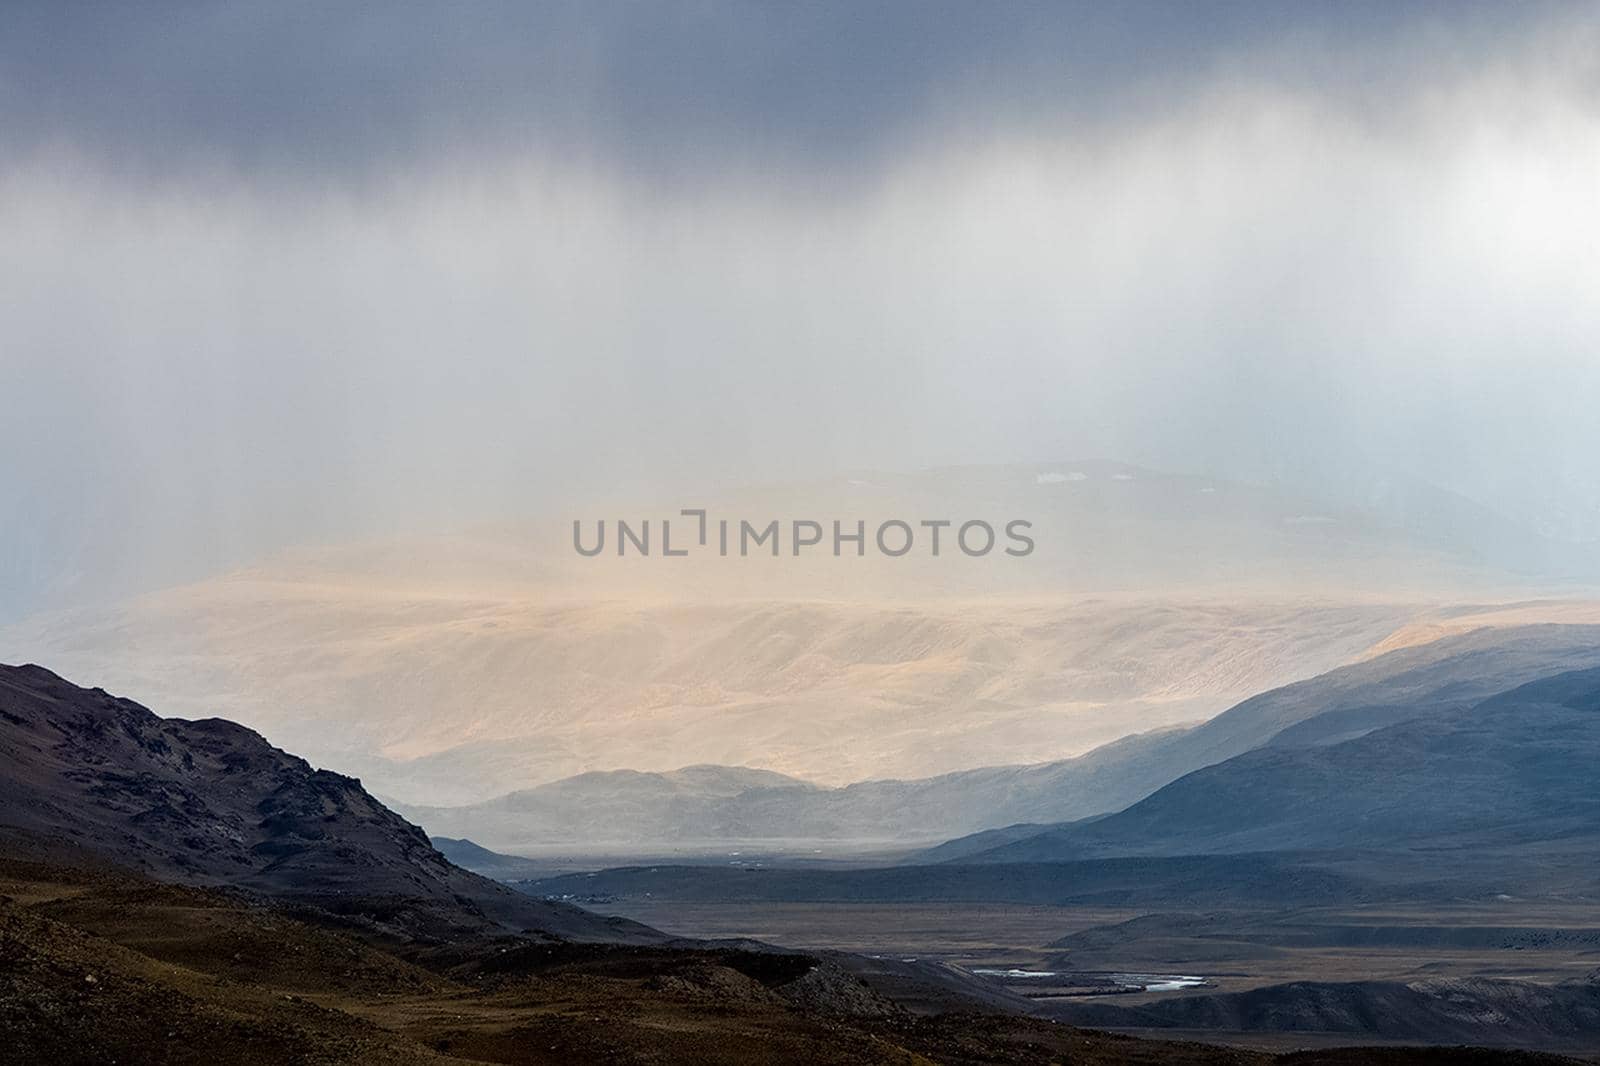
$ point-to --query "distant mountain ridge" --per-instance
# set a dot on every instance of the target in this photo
(627, 808)
(1467, 795)
(1512, 771)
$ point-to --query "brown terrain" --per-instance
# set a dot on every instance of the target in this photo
(102, 965)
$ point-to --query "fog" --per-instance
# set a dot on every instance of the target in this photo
(270, 278)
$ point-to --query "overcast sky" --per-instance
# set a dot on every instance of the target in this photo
(277, 273)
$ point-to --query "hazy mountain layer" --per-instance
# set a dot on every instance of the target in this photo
(1495, 800)
(1511, 771)
(452, 698)
(710, 805)
(1396, 687)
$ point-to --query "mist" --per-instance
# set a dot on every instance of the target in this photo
(476, 273)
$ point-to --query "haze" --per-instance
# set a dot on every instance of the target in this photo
(447, 273)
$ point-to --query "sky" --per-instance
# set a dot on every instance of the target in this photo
(277, 274)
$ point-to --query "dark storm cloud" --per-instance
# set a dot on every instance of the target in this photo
(277, 273)
(668, 92)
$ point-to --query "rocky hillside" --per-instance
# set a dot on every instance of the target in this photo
(210, 802)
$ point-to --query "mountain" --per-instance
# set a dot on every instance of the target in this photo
(709, 807)
(480, 860)
(1514, 771)
(452, 695)
(1461, 796)
(212, 803)
(1447, 674)
(692, 806)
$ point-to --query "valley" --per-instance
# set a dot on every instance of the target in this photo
(1254, 900)
(182, 891)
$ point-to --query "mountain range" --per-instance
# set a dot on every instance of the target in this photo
(708, 806)
(1461, 767)
(1379, 853)
(1512, 771)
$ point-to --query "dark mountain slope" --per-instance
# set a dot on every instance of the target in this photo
(210, 802)
(1453, 672)
(1512, 771)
